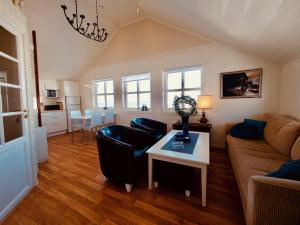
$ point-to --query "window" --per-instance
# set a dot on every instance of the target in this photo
(181, 81)
(104, 93)
(137, 91)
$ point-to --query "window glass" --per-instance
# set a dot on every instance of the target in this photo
(171, 96)
(193, 94)
(110, 86)
(9, 71)
(104, 93)
(100, 88)
(13, 127)
(137, 91)
(145, 99)
(8, 43)
(182, 81)
(144, 85)
(174, 81)
(132, 101)
(11, 99)
(101, 101)
(110, 101)
(192, 79)
(131, 86)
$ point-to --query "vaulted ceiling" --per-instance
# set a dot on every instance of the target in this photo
(266, 28)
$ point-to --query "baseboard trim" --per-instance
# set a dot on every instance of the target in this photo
(14, 203)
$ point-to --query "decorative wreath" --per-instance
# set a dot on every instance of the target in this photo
(179, 104)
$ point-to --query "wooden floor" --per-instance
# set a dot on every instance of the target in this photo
(72, 191)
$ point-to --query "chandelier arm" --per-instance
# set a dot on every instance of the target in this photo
(101, 33)
(65, 9)
(97, 12)
(88, 25)
(80, 23)
(76, 3)
(93, 33)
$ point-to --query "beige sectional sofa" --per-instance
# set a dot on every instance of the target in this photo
(267, 200)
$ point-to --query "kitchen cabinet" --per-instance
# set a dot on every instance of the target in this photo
(55, 122)
(47, 85)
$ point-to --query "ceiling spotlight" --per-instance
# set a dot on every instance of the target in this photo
(138, 10)
(101, 7)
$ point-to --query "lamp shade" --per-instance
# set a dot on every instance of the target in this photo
(204, 102)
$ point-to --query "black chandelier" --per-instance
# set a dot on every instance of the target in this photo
(95, 33)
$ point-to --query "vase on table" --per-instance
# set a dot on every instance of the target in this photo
(185, 125)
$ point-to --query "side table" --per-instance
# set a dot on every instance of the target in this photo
(194, 127)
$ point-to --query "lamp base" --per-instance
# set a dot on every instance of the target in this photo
(203, 119)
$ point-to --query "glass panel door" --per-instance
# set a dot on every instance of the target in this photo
(11, 97)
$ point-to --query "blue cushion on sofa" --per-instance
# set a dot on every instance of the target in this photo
(244, 131)
(260, 126)
(289, 170)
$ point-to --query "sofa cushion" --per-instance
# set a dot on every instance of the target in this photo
(295, 153)
(259, 124)
(281, 133)
(289, 170)
(243, 131)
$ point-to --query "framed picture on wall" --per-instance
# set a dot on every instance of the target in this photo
(242, 84)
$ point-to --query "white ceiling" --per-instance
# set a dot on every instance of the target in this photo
(267, 28)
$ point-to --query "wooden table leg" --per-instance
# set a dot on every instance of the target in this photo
(150, 172)
(203, 184)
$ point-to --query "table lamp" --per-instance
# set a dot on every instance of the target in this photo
(204, 102)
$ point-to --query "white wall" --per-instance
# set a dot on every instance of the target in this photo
(215, 58)
(290, 89)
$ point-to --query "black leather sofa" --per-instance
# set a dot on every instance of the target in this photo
(156, 129)
(122, 153)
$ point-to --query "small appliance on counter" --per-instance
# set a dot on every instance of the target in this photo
(52, 107)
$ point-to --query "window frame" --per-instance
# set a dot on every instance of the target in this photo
(138, 92)
(105, 94)
(181, 70)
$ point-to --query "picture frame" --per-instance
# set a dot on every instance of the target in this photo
(241, 84)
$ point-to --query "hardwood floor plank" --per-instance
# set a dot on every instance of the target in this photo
(72, 191)
(82, 210)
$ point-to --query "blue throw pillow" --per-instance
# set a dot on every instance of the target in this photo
(244, 131)
(260, 126)
(289, 170)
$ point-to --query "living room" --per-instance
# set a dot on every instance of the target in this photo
(231, 68)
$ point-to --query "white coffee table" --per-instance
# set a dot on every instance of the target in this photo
(199, 158)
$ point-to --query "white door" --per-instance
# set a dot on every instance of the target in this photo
(15, 157)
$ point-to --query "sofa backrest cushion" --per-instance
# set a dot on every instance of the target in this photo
(295, 153)
(281, 132)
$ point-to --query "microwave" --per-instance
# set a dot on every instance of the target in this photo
(52, 93)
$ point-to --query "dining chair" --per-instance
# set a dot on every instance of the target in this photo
(76, 122)
(109, 116)
(95, 122)
(88, 112)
